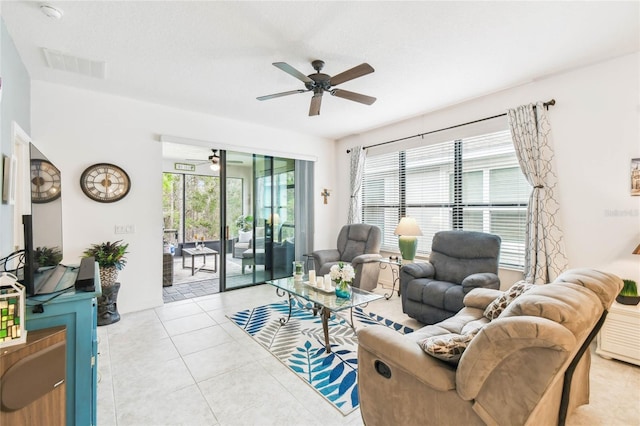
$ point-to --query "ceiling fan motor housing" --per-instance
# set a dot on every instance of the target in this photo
(320, 83)
(320, 80)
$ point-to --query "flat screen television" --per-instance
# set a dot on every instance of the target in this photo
(43, 227)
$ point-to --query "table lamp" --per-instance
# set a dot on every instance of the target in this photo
(407, 231)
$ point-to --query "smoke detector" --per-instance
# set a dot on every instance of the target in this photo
(51, 11)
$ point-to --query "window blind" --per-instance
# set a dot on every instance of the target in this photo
(474, 184)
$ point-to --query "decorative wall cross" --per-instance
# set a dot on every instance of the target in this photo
(325, 193)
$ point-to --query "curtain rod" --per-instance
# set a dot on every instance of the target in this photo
(545, 104)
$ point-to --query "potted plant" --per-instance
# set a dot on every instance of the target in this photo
(629, 293)
(111, 259)
(244, 223)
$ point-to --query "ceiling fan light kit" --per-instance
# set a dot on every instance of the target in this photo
(51, 11)
(214, 158)
(320, 83)
(215, 165)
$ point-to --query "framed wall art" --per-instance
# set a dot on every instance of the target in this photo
(9, 179)
(635, 176)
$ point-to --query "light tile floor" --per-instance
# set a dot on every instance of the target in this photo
(185, 363)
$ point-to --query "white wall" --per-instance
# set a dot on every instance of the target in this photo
(14, 108)
(596, 131)
(77, 128)
(595, 124)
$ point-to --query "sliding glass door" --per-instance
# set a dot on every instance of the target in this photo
(276, 199)
(245, 262)
(254, 211)
(272, 230)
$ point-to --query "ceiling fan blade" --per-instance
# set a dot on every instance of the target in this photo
(277, 95)
(353, 96)
(292, 71)
(355, 72)
(199, 162)
(314, 108)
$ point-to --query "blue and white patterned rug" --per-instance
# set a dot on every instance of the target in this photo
(299, 344)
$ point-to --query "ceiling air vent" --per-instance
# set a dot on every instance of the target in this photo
(63, 62)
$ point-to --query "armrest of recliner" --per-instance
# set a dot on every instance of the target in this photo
(321, 257)
(365, 258)
(399, 352)
(503, 342)
(480, 298)
(483, 280)
(418, 270)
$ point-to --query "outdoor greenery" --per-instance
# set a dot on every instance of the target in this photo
(200, 206)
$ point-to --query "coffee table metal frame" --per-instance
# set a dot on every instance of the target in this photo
(323, 302)
(204, 251)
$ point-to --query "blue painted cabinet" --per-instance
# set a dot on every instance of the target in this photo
(78, 312)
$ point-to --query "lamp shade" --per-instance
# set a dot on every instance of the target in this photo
(274, 219)
(637, 250)
(408, 227)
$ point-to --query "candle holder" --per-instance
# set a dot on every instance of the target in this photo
(298, 270)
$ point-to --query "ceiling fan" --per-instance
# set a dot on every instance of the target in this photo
(320, 83)
(214, 160)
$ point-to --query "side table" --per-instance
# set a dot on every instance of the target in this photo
(33, 379)
(394, 264)
(200, 251)
(619, 337)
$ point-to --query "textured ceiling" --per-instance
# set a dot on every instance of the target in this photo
(215, 57)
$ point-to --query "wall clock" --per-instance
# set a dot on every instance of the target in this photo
(105, 183)
(45, 181)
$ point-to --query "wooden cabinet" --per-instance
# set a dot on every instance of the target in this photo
(32, 377)
(619, 337)
(77, 311)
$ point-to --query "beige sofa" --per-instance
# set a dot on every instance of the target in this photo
(511, 373)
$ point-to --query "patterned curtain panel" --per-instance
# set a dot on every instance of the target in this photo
(545, 255)
(358, 156)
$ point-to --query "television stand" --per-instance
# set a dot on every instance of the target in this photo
(77, 311)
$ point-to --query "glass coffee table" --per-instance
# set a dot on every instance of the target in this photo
(323, 302)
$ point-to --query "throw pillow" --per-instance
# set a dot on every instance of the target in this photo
(448, 347)
(495, 308)
(244, 237)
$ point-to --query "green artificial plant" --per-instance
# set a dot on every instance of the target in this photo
(629, 288)
(109, 254)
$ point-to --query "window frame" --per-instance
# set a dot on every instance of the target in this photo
(455, 207)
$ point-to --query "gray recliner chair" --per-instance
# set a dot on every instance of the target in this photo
(459, 262)
(358, 244)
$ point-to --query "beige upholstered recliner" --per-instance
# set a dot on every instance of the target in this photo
(513, 372)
